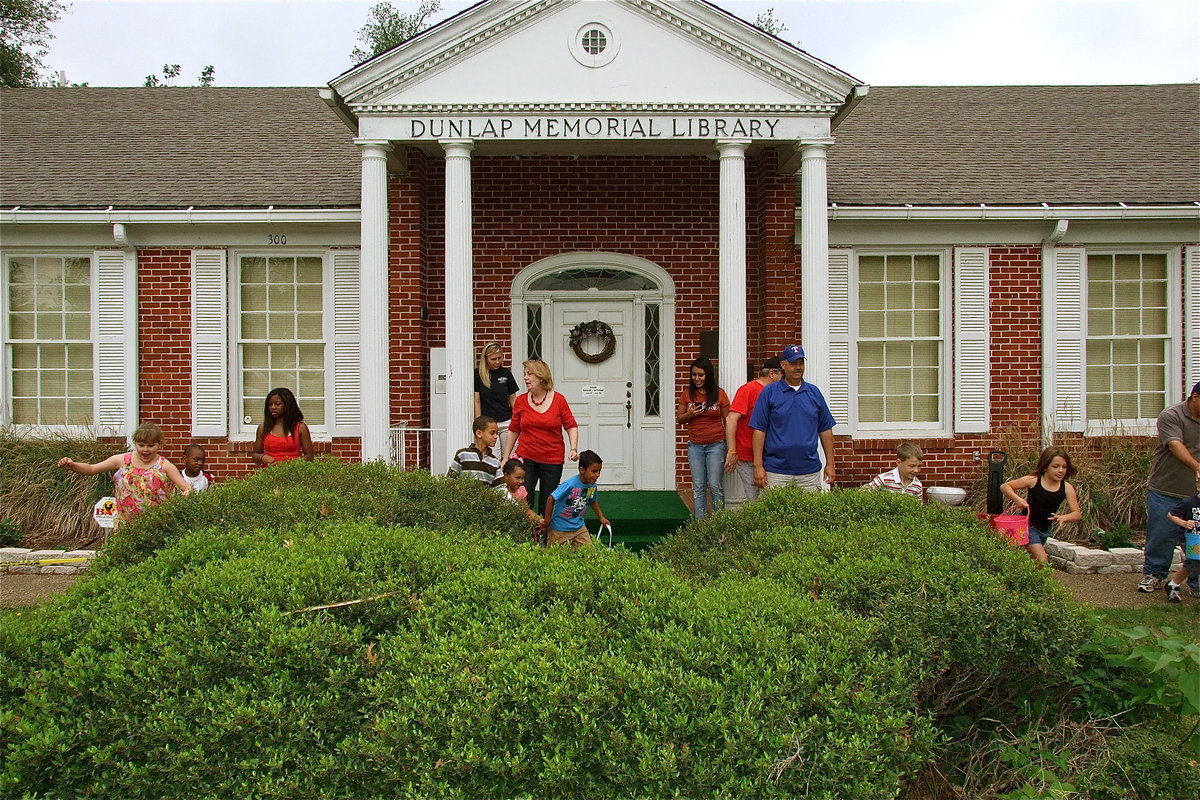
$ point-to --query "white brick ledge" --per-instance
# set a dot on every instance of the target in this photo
(1079, 560)
(15, 560)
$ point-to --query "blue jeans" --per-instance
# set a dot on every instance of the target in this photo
(708, 473)
(1162, 535)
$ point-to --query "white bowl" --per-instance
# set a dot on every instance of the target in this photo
(948, 495)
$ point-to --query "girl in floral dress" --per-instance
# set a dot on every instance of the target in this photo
(143, 477)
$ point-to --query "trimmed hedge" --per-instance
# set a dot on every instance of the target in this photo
(310, 496)
(490, 669)
(980, 626)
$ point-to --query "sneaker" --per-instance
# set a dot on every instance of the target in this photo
(1194, 589)
(1173, 593)
(1149, 584)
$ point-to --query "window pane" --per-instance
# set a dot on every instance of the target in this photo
(254, 297)
(25, 412)
(22, 326)
(281, 270)
(283, 304)
(52, 411)
(281, 298)
(49, 326)
(1127, 332)
(52, 383)
(254, 326)
(899, 326)
(24, 383)
(653, 359)
(78, 271)
(308, 270)
(254, 270)
(52, 356)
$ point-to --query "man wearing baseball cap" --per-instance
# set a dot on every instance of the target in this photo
(789, 419)
(1172, 478)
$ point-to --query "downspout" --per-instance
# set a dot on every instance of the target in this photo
(1048, 244)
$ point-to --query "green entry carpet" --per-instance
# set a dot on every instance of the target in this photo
(640, 518)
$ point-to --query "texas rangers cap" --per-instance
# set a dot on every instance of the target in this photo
(792, 352)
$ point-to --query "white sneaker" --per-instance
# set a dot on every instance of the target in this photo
(1149, 584)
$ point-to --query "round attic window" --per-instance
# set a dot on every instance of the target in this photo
(594, 45)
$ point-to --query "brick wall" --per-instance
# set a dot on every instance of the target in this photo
(1016, 373)
(165, 366)
(665, 210)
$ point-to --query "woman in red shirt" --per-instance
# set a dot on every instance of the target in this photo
(535, 433)
(702, 407)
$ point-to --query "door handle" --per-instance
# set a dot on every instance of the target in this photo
(628, 413)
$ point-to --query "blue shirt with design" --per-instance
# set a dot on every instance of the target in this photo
(571, 499)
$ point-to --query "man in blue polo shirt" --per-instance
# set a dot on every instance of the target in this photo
(790, 417)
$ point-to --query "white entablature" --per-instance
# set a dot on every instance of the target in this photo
(593, 69)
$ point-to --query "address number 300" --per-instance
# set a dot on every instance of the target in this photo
(276, 238)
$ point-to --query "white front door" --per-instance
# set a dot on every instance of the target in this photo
(601, 395)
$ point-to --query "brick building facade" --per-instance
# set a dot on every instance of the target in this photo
(985, 259)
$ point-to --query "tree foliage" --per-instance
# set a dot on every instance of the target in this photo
(171, 72)
(388, 27)
(24, 38)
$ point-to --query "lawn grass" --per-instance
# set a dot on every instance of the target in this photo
(1183, 617)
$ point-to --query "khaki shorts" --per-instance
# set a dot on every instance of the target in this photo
(810, 483)
(579, 538)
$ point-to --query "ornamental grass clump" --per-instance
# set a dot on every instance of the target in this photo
(315, 495)
(50, 507)
(456, 666)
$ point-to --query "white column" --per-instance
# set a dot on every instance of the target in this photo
(460, 317)
(373, 280)
(731, 348)
(814, 260)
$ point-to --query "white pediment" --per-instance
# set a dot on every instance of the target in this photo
(533, 55)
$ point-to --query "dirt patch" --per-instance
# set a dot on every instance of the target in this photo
(1116, 591)
(23, 591)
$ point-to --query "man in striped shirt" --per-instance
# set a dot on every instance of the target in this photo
(903, 479)
(477, 462)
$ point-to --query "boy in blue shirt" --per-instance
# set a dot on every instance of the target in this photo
(566, 507)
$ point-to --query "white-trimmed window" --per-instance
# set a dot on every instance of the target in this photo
(68, 340)
(901, 343)
(50, 357)
(281, 333)
(1128, 336)
(1111, 337)
(262, 320)
(892, 322)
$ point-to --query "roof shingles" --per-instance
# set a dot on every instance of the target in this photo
(956, 145)
(174, 147)
(925, 145)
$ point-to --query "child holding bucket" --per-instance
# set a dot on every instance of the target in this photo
(1046, 489)
(1187, 516)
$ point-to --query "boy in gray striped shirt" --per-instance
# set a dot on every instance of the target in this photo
(477, 462)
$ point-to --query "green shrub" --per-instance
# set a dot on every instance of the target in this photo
(980, 626)
(1142, 762)
(482, 668)
(52, 506)
(314, 495)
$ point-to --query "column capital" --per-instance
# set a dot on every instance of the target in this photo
(814, 148)
(457, 147)
(732, 148)
(374, 147)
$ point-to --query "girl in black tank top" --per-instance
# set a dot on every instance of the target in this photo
(1046, 489)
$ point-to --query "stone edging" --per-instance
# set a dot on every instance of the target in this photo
(12, 561)
(1079, 560)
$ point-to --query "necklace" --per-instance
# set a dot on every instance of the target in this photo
(539, 402)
